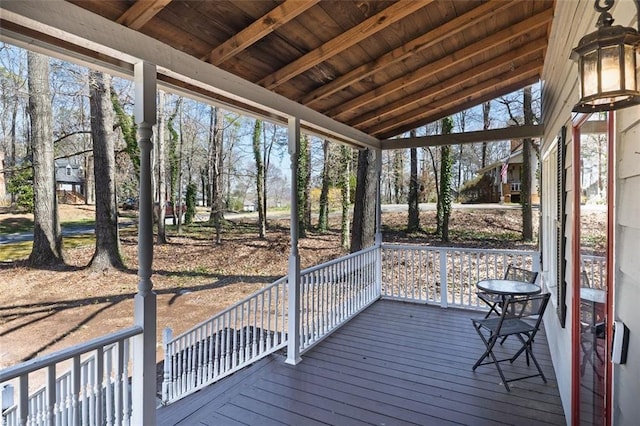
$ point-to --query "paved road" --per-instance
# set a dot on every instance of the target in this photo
(386, 208)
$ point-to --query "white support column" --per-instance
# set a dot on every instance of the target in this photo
(144, 346)
(293, 345)
(378, 237)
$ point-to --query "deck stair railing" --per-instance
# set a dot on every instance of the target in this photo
(423, 274)
(234, 338)
(96, 390)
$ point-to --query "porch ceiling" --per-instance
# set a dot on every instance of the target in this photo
(381, 67)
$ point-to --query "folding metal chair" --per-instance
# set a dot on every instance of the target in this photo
(494, 301)
(512, 323)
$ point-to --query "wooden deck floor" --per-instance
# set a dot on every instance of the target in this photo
(394, 364)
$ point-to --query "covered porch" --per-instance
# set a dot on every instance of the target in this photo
(394, 363)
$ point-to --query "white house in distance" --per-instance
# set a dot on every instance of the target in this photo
(594, 283)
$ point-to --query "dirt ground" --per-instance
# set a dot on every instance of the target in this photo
(46, 310)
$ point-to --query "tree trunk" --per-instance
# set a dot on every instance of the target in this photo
(364, 210)
(345, 160)
(107, 253)
(301, 186)
(525, 189)
(323, 216)
(398, 175)
(257, 155)
(445, 182)
(486, 108)
(307, 187)
(162, 170)
(215, 170)
(414, 213)
(47, 238)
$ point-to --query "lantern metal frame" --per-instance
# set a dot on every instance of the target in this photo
(617, 44)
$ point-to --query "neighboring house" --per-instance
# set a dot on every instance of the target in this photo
(506, 187)
(70, 182)
(249, 206)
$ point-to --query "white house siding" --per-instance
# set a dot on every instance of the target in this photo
(573, 19)
(626, 378)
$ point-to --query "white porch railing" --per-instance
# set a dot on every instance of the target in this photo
(595, 270)
(95, 391)
(255, 327)
(423, 274)
(236, 337)
(334, 292)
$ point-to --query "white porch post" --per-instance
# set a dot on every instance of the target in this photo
(293, 346)
(378, 237)
(144, 346)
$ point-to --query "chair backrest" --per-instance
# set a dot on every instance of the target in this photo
(520, 274)
(526, 306)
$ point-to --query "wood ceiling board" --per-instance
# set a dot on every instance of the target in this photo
(343, 41)
(399, 54)
(259, 28)
(427, 94)
(461, 97)
(490, 89)
(504, 36)
(111, 10)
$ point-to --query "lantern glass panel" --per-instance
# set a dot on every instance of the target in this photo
(610, 76)
(629, 68)
(590, 74)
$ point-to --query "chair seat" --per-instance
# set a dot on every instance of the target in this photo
(509, 326)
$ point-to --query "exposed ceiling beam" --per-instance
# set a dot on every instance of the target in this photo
(501, 37)
(345, 40)
(426, 95)
(97, 37)
(520, 73)
(491, 135)
(477, 99)
(428, 39)
(141, 12)
(260, 28)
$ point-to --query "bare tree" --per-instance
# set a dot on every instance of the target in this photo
(323, 215)
(413, 210)
(345, 180)
(257, 154)
(486, 124)
(47, 238)
(162, 171)
(215, 160)
(107, 252)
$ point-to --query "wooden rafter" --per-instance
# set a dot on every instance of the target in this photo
(349, 38)
(424, 95)
(425, 41)
(490, 89)
(464, 54)
(141, 12)
(259, 29)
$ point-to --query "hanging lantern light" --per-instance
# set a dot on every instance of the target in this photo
(608, 60)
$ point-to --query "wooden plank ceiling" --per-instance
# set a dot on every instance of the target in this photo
(383, 67)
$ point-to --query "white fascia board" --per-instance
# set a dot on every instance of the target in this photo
(68, 22)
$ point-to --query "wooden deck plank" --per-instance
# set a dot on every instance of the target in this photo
(395, 363)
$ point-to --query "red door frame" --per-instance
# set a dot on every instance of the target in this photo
(577, 122)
